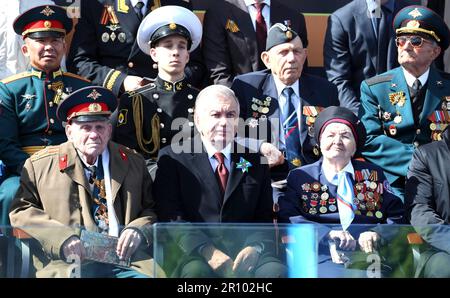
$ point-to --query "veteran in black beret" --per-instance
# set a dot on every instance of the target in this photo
(28, 100)
(96, 184)
(341, 191)
(280, 104)
(146, 116)
(407, 106)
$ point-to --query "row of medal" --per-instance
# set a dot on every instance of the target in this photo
(440, 119)
(109, 17)
(311, 113)
(368, 196)
(260, 109)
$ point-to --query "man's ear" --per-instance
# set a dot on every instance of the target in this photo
(153, 54)
(68, 130)
(265, 57)
(24, 49)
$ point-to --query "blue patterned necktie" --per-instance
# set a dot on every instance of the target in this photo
(345, 197)
(291, 131)
(99, 205)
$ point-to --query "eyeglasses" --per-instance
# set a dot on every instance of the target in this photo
(415, 41)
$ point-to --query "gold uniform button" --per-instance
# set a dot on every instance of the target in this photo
(163, 140)
(130, 64)
(161, 125)
(155, 95)
(52, 121)
(50, 132)
(418, 131)
(159, 110)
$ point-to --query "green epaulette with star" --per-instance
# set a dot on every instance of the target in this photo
(47, 151)
(379, 79)
(16, 77)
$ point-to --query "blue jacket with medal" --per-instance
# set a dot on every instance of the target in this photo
(310, 197)
(387, 113)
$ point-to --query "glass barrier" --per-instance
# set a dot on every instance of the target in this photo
(228, 251)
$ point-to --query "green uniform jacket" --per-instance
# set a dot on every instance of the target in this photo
(28, 103)
(386, 111)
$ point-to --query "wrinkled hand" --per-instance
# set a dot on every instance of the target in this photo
(273, 155)
(73, 246)
(132, 83)
(368, 241)
(128, 242)
(347, 242)
(219, 262)
(245, 261)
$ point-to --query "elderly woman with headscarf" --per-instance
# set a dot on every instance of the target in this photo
(339, 189)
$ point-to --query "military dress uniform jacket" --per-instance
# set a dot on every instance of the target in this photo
(28, 103)
(145, 116)
(187, 189)
(258, 99)
(387, 113)
(229, 39)
(312, 198)
(104, 48)
(54, 200)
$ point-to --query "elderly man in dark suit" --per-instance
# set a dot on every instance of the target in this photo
(359, 44)
(235, 33)
(281, 104)
(427, 200)
(214, 180)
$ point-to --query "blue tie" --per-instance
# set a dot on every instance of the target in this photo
(99, 205)
(291, 131)
(345, 197)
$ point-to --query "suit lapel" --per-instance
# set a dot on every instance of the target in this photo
(131, 22)
(201, 165)
(306, 94)
(235, 175)
(365, 24)
(433, 95)
(269, 89)
(242, 18)
(119, 165)
(398, 84)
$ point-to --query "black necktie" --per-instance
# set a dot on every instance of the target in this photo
(416, 88)
(138, 7)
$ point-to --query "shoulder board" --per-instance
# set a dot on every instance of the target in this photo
(379, 79)
(72, 75)
(48, 151)
(16, 77)
(141, 90)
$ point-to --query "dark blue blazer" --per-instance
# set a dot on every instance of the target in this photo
(314, 91)
(298, 202)
(351, 50)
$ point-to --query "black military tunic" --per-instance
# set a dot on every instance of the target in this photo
(146, 116)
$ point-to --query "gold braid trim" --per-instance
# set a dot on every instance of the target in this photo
(138, 118)
(112, 79)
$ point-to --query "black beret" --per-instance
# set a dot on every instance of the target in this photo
(343, 115)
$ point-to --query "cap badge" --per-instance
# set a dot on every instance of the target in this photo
(413, 24)
(94, 94)
(415, 13)
(47, 11)
(288, 34)
(47, 24)
(95, 107)
(172, 26)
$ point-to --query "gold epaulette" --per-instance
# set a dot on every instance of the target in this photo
(16, 77)
(69, 74)
(49, 150)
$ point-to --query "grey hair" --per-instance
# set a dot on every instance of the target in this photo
(215, 91)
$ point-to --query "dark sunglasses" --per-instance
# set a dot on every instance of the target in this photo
(415, 41)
